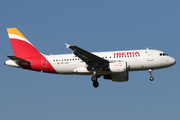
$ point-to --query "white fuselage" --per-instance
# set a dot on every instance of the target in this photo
(144, 60)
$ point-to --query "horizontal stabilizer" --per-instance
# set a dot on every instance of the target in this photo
(16, 59)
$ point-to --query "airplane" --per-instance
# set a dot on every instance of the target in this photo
(112, 65)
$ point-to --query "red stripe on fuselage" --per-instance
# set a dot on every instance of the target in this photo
(36, 64)
(25, 50)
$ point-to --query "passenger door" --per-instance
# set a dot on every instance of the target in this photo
(43, 62)
(150, 55)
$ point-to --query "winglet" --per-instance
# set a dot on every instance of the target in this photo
(67, 45)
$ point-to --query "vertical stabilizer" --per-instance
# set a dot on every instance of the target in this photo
(21, 46)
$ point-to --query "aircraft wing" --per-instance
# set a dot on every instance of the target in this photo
(86, 56)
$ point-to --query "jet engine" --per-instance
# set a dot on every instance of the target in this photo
(117, 67)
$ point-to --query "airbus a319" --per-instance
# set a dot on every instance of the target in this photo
(112, 65)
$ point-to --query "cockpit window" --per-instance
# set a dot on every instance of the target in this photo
(163, 54)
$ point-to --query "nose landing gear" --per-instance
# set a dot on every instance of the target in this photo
(151, 77)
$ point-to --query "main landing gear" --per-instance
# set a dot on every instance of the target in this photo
(151, 77)
(94, 80)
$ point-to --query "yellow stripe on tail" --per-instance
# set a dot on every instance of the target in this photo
(15, 31)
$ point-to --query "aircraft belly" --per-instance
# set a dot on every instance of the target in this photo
(66, 68)
(136, 66)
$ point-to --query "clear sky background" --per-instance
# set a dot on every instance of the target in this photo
(94, 25)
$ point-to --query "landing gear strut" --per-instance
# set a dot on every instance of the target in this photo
(151, 77)
(94, 80)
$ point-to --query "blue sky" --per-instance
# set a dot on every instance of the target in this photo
(94, 25)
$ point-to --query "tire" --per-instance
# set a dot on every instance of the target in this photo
(151, 78)
(95, 84)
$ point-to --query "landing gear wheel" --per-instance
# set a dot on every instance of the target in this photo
(95, 84)
(94, 78)
(151, 78)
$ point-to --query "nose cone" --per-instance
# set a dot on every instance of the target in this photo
(172, 61)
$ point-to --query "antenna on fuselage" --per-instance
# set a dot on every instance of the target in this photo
(146, 50)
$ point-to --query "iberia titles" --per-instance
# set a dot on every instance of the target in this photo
(126, 53)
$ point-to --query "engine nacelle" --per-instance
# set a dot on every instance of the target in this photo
(118, 67)
(117, 77)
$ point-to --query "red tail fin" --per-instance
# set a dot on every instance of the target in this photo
(21, 46)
